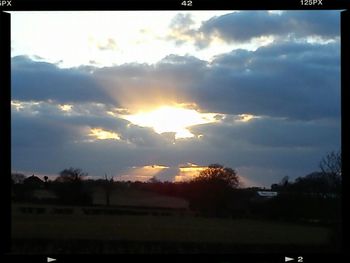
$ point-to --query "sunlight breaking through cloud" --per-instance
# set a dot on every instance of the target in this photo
(171, 119)
(66, 107)
(141, 173)
(101, 134)
(17, 105)
(189, 172)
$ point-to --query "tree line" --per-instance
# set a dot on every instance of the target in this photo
(215, 192)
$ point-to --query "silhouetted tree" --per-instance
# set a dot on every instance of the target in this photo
(326, 182)
(331, 164)
(46, 178)
(275, 187)
(218, 174)
(70, 175)
(108, 187)
(313, 183)
(153, 180)
(20, 191)
(315, 196)
(210, 192)
(70, 189)
(283, 186)
(285, 181)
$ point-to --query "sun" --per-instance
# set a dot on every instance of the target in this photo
(175, 119)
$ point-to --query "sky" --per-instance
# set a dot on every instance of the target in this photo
(164, 94)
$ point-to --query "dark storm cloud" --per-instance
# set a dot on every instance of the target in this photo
(280, 53)
(145, 137)
(33, 132)
(47, 118)
(40, 143)
(243, 26)
(37, 81)
(268, 148)
(51, 141)
(172, 66)
(274, 132)
(48, 139)
(136, 85)
(83, 115)
(294, 80)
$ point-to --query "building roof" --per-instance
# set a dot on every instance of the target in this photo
(33, 180)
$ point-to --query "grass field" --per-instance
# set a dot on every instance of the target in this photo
(115, 233)
(138, 198)
(168, 228)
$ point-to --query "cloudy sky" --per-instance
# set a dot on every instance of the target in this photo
(166, 93)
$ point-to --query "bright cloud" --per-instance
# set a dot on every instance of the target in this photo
(171, 119)
(100, 39)
(101, 134)
(189, 172)
(247, 117)
(66, 107)
(142, 173)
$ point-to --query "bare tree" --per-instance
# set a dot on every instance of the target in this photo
(285, 181)
(331, 164)
(108, 189)
(71, 175)
(331, 168)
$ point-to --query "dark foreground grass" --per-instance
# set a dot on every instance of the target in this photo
(78, 233)
(170, 228)
(100, 247)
